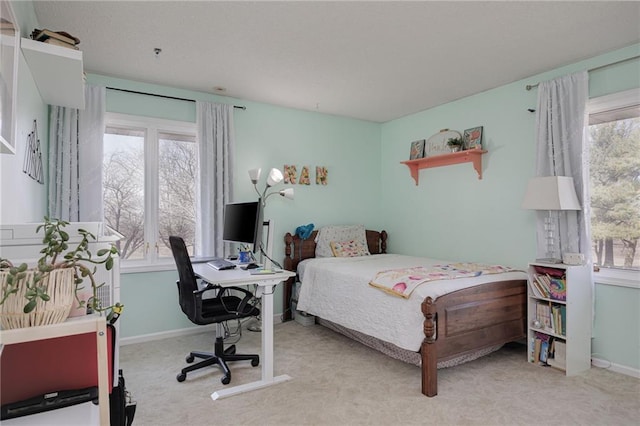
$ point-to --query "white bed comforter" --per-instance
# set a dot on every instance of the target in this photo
(337, 289)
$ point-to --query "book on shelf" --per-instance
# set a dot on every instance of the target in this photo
(559, 359)
(57, 42)
(549, 287)
(42, 35)
(543, 314)
(552, 317)
(544, 351)
(536, 350)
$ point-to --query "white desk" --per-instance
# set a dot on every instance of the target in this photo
(234, 277)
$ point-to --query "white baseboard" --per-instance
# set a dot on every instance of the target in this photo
(175, 333)
(166, 334)
(616, 368)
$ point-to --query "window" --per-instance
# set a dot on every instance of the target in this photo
(149, 183)
(614, 167)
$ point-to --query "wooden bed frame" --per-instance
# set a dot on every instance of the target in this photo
(455, 325)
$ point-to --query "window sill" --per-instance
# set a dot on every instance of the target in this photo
(617, 277)
(133, 268)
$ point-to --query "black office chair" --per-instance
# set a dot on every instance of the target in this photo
(222, 307)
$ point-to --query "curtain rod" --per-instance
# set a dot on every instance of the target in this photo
(531, 86)
(165, 96)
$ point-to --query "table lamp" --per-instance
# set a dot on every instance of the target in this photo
(553, 194)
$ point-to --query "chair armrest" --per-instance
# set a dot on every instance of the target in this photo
(207, 288)
(197, 294)
(247, 298)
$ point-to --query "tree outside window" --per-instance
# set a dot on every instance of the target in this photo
(149, 182)
(615, 191)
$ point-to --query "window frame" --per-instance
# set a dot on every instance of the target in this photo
(627, 98)
(152, 127)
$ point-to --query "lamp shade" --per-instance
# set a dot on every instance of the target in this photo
(275, 177)
(287, 193)
(254, 175)
(551, 193)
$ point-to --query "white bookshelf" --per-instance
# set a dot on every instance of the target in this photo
(571, 333)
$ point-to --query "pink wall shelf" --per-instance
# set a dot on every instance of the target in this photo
(469, 156)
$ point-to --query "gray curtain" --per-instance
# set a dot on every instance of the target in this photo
(75, 159)
(216, 159)
(562, 150)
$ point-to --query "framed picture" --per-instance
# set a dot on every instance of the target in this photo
(417, 150)
(473, 138)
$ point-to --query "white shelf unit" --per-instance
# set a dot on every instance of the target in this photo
(79, 325)
(577, 318)
(57, 71)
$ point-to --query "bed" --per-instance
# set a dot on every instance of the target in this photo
(441, 324)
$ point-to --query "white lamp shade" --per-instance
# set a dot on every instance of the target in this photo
(274, 178)
(254, 175)
(551, 193)
(287, 193)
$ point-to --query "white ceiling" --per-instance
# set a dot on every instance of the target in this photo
(375, 61)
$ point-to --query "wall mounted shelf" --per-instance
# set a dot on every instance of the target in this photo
(57, 71)
(469, 156)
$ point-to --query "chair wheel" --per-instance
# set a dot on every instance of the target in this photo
(226, 380)
(189, 359)
(181, 377)
(255, 362)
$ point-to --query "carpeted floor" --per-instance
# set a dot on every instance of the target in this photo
(336, 381)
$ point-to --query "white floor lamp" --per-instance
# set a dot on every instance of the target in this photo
(274, 178)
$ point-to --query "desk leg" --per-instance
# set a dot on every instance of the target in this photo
(267, 352)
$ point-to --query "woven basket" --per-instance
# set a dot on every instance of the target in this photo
(59, 285)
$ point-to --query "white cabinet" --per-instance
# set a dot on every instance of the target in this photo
(57, 71)
(559, 316)
(87, 324)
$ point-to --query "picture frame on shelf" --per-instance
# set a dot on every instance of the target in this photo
(417, 149)
(473, 138)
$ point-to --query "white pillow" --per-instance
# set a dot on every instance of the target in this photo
(327, 234)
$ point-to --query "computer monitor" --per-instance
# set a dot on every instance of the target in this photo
(243, 224)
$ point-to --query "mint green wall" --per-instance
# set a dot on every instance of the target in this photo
(150, 304)
(616, 328)
(453, 215)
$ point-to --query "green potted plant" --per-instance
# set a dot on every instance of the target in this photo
(455, 144)
(43, 294)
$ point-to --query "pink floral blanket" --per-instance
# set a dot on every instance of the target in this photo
(402, 282)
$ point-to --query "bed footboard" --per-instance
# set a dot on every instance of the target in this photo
(469, 320)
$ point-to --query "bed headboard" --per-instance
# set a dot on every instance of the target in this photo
(297, 249)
